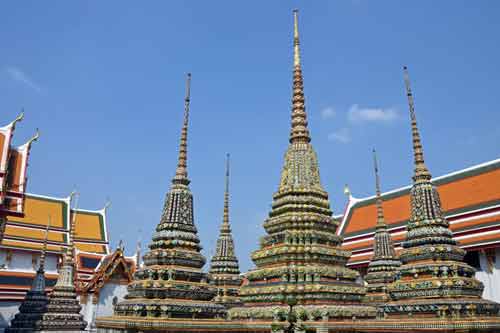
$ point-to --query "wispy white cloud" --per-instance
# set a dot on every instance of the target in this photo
(357, 114)
(328, 112)
(20, 76)
(342, 135)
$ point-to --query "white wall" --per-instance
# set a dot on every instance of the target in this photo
(491, 280)
(7, 312)
(104, 306)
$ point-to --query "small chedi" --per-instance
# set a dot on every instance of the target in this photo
(34, 304)
(300, 258)
(63, 308)
(224, 268)
(433, 279)
(171, 284)
(384, 264)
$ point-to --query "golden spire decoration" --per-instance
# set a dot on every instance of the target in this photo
(380, 210)
(70, 252)
(225, 219)
(181, 176)
(299, 132)
(421, 171)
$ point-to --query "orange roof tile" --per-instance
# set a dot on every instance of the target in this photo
(460, 192)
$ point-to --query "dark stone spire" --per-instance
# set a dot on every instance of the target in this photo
(224, 267)
(384, 264)
(35, 302)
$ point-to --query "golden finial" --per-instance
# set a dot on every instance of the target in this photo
(296, 41)
(380, 211)
(421, 172)
(181, 171)
(299, 132)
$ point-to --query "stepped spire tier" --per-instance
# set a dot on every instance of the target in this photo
(433, 278)
(384, 264)
(34, 305)
(63, 308)
(300, 258)
(171, 283)
(224, 267)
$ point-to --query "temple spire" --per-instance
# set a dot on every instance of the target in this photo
(225, 218)
(70, 251)
(421, 171)
(299, 132)
(380, 211)
(181, 176)
(41, 266)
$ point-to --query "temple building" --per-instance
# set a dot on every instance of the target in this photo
(24, 217)
(224, 268)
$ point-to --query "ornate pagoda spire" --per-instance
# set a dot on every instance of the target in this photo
(35, 302)
(225, 218)
(174, 260)
(301, 257)
(299, 131)
(181, 175)
(224, 267)
(433, 279)
(63, 308)
(384, 263)
(421, 171)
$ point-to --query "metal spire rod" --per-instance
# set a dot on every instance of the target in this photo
(181, 171)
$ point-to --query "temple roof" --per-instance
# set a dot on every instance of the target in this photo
(13, 170)
(111, 266)
(474, 218)
(27, 231)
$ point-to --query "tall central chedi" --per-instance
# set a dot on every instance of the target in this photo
(300, 257)
(172, 284)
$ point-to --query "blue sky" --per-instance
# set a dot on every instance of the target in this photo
(104, 82)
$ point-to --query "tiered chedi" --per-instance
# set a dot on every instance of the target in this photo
(172, 284)
(300, 257)
(384, 264)
(224, 268)
(35, 302)
(433, 279)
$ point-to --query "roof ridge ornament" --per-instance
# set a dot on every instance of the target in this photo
(421, 171)
(181, 176)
